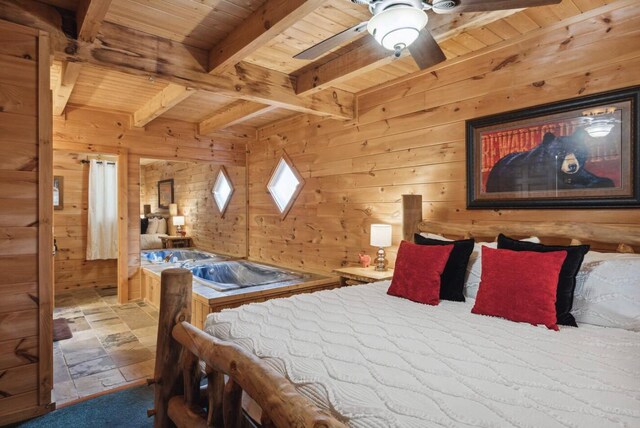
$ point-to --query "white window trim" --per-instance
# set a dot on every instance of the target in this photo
(222, 210)
(295, 195)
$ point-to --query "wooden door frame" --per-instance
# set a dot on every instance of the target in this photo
(45, 228)
(123, 213)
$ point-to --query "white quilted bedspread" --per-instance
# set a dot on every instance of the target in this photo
(381, 361)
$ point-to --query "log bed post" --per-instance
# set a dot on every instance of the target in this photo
(215, 384)
(411, 215)
(179, 401)
(175, 307)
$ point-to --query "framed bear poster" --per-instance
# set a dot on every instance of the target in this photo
(580, 153)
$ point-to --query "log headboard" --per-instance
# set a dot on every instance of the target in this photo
(603, 237)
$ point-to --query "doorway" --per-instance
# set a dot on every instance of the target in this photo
(108, 344)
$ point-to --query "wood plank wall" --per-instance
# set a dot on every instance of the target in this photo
(83, 130)
(25, 314)
(72, 270)
(192, 183)
(409, 138)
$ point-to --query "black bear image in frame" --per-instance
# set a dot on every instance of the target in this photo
(557, 163)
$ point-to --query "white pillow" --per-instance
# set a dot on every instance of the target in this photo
(608, 291)
(153, 226)
(162, 226)
(434, 236)
(474, 267)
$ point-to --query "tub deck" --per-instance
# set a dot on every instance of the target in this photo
(206, 300)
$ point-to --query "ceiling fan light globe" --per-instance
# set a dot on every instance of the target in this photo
(600, 128)
(397, 26)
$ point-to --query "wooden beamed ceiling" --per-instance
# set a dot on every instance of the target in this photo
(271, 19)
(228, 66)
(232, 114)
(164, 100)
(89, 17)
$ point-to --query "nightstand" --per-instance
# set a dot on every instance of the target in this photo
(176, 242)
(360, 275)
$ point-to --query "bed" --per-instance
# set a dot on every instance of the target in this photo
(153, 240)
(360, 358)
(373, 360)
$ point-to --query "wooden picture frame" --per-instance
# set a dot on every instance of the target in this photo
(165, 193)
(580, 153)
(58, 192)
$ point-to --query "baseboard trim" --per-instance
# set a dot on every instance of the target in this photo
(25, 414)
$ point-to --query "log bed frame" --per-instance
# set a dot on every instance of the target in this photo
(184, 353)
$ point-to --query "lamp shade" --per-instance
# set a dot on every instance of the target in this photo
(173, 209)
(397, 27)
(380, 235)
(178, 220)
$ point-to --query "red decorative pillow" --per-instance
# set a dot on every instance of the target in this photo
(520, 286)
(417, 273)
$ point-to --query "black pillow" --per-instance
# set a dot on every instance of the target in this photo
(452, 278)
(567, 278)
(144, 224)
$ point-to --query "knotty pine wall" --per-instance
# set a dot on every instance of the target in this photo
(72, 270)
(82, 130)
(192, 184)
(409, 138)
(26, 192)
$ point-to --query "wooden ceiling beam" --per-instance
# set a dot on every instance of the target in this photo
(89, 17)
(134, 52)
(230, 115)
(271, 19)
(64, 87)
(236, 132)
(364, 55)
(163, 101)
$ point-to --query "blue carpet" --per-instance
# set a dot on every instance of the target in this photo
(127, 408)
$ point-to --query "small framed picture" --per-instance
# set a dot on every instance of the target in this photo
(581, 153)
(58, 192)
(165, 193)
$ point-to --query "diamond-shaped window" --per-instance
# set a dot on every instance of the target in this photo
(222, 191)
(285, 185)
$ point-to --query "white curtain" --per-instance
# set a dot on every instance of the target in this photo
(102, 228)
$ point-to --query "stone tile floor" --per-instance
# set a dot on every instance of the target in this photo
(112, 344)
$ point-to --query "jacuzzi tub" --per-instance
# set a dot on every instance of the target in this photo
(234, 274)
(178, 255)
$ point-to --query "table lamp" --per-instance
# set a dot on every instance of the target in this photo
(381, 237)
(178, 222)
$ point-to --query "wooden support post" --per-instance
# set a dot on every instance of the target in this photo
(266, 422)
(182, 416)
(411, 215)
(215, 386)
(175, 307)
(191, 374)
(274, 393)
(232, 404)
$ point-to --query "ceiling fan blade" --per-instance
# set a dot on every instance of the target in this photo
(425, 50)
(489, 5)
(332, 42)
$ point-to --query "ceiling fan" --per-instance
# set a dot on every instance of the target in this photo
(401, 24)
